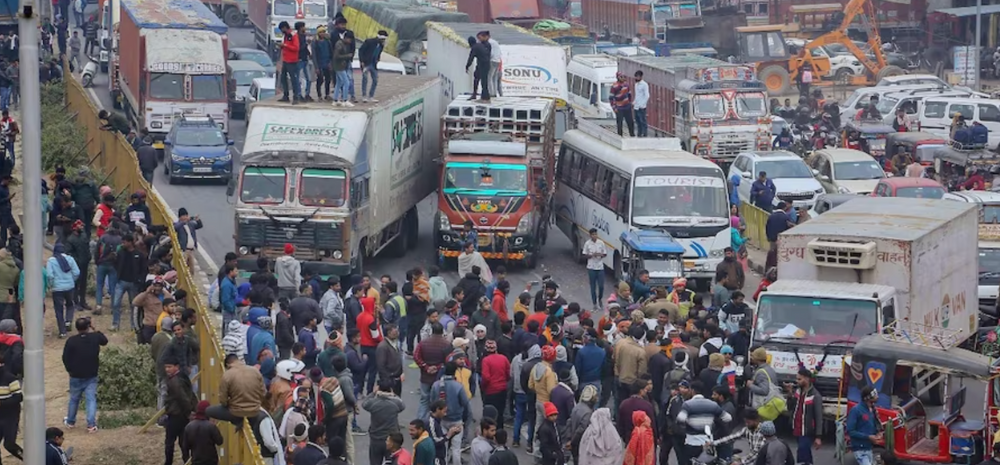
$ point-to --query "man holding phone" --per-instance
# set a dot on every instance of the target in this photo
(863, 427)
(595, 252)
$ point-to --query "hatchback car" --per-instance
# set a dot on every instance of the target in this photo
(241, 76)
(255, 55)
(793, 180)
(195, 148)
(846, 171)
(916, 188)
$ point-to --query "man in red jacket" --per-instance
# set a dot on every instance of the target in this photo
(496, 375)
(290, 63)
(371, 336)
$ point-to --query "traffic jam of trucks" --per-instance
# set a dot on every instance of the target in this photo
(623, 123)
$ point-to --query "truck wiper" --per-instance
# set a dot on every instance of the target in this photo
(269, 215)
(989, 274)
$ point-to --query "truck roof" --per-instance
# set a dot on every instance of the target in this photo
(505, 34)
(679, 62)
(301, 129)
(894, 218)
(830, 289)
(173, 14)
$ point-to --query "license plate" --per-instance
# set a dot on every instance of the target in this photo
(484, 239)
(158, 145)
(202, 169)
(688, 264)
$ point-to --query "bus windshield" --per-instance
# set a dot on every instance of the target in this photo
(814, 320)
(263, 185)
(679, 196)
(462, 178)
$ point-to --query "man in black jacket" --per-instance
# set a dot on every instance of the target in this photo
(369, 55)
(81, 358)
(179, 402)
(130, 265)
(480, 51)
(474, 289)
(201, 438)
(78, 246)
(10, 409)
(146, 155)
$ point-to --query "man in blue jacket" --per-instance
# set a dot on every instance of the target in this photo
(762, 192)
(863, 427)
(734, 184)
(322, 52)
(227, 297)
(589, 361)
(459, 409)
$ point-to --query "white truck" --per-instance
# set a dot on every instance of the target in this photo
(340, 184)
(989, 245)
(859, 268)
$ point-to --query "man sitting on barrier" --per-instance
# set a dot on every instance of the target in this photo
(241, 393)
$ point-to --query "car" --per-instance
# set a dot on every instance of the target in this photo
(842, 63)
(860, 98)
(928, 80)
(241, 76)
(253, 54)
(260, 89)
(916, 188)
(845, 171)
(793, 180)
(826, 202)
(196, 148)
(910, 99)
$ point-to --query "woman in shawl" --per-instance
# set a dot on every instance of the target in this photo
(601, 444)
(641, 448)
(471, 257)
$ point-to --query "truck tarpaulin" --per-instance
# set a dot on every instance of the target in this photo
(405, 22)
(487, 11)
(179, 14)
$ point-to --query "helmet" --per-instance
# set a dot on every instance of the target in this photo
(286, 368)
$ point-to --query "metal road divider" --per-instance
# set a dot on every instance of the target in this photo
(756, 221)
(110, 152)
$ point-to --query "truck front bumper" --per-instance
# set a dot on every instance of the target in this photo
(700, 268)
(247, 263)
(493, 246)
(189, 170)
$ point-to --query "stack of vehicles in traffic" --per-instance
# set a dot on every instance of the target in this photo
(590, 78)
(339, 184)
(862, 268)
(989, 247)
(498, 173)
(266, 15)
(158, 84)
(650, 186)
(406, 25)
(716, 109)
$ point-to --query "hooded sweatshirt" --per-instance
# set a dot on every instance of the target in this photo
(542, 381)
(371, 331)
(289, 272)
(439, 292)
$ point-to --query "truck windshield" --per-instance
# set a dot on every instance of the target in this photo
(751, 104)
(322, 188)
(674, 196)
(814, 320)
(710, 106)
(510, 179)
(285, 8)
(263, 185)
(989, 214)
(989, 267)
(207, 87)
(166, 86)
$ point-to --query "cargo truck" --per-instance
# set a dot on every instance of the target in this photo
(266, 15)
(989, 247)
(717, 109)
(339, 184)
(231, 12)
(157, 83)
(497, 172)
(868, 266)
(107, 39)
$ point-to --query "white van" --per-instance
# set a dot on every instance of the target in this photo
(860, 98)
(910, 101)
(590, 80)
(936, 115)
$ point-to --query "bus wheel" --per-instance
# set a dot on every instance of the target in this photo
(618, 266)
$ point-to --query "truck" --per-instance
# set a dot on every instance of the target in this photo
(868, 266)
(989, 247)
(406, 25)
(497, 172)
(266, 15)
(107, 39)
(533, 66)
(159, 83)
(717, 109)
(339, 184)
(231, 12)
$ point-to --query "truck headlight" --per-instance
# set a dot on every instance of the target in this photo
(444, 224)
(156, 125)
(244, 250)
(337, 255)
(524, 226)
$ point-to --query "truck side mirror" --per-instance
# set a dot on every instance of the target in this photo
(231, 187)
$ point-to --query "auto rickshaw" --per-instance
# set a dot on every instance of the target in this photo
(654, 251)
(953, 165)
(869, 135)
(920, 145)
(905, 366)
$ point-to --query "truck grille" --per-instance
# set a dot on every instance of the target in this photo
(828, 387)
(795, 197)
(731, 149)
(305, 237)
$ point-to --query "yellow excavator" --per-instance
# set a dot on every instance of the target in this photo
(778, 67)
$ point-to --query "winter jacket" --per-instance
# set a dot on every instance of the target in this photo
(542, 381)
(589, 361)
(356, 364)
(439, 292)
(562, 396)
(489, 319)
(262, 340)
(12, 346)
(78, 247)
(630, 361)
(183, 241)
(474, 289)
(147, 157)
(861, 423)
(131, 266)
(289, 272)
(10, 395)
(332, 306)
(480, 52)
(228, 296)
(302, 309)
(201, 439)
(20, 285)
(308, 338)
(384, 408)
(290, 48)
(284, 334)
(550, 443)
(343, 55)
(812, 414)
(449, 389)
(107, 250)
(495, 374)
(10, 274)
(180, 399)
(322, 53)
(60, 280)
(242, 390)
(370, 52)
(371, 331)
(389, 360)
(85, 195)
(431, 352)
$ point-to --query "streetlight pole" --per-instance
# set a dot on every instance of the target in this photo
(31, 163)
(979, 40)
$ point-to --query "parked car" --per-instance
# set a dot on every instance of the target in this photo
(793, 180)
(846, 171)
(916, 188)
(253, 54)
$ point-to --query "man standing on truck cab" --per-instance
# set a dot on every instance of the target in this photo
(343, 54)
(641, 99)
(300, 31)
(368, 55)
(323, 58)
(289, 63)
(494, 64)
(480, 51)
(621, 102)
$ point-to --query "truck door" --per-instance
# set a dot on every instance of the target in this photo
(887, 313)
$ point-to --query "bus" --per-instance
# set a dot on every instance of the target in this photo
(617, 185)
(590, 78)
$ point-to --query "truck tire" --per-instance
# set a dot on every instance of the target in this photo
(232, 17)
(400, 243)
(413, 228)
(776, 79)
(889, 71)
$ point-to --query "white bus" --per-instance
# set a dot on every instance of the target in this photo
(619, 184)
(589, 79)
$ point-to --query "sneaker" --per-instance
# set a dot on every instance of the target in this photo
(364, 100)
(373, 100)
(529, 449)
(308, 98)
(283, 99)
(358, 431)
(85, 306)
(62, 335)
(348, 104)
(92, 429)
(516, 444)
(336, 103)
(67, 424)
(98, 310)
(114, 328)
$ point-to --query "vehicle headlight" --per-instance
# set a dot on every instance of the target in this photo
(226, 157)
(524, 226)
(444, 224)
(337, 255)
(820, 190)
(844, 190)
(244, 250)
(156, 125)
(717, 253)
(176, 157)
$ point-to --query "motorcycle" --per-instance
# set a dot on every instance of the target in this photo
(709, 456)
(88, 73)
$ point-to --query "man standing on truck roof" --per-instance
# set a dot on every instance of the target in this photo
(323, 58)
(480, 51)
(289, 63)
(300, 31)
(494, 64)
(641, 99)
(343, 54)
(369, 55)
(621, 102)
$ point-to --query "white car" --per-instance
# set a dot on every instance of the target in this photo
(842, 65)
(846, 171)
(927, 80)
(792, 178)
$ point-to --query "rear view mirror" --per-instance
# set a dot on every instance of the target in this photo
(231, 187)
(230, 142)
(745, 175)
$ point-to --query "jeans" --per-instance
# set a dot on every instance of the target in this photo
(79, 17)
(413, 325)
(304, 69)
(425, 395)
(365, 71)
(350, 79)
(324, 80)
(596, 278)
(642, 127)
(120, 289)
(82, 387)
(495, 77)
(539, 420)
(62, 302)
(864, 457)
(520, 411)
(174, 433)
(4, 98)
(9, 151)
(371, 368)
(803, 454)
(341, 86)
(455, 445)
(626, 115)
(290, 72)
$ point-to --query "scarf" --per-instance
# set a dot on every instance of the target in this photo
(422, 289)
(418, 441)
(601, 444)
(641, 448)
(58, 252)
(467, 261)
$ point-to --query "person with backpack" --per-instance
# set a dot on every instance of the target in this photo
(766, 398)
(105, 258)
(458, 412)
